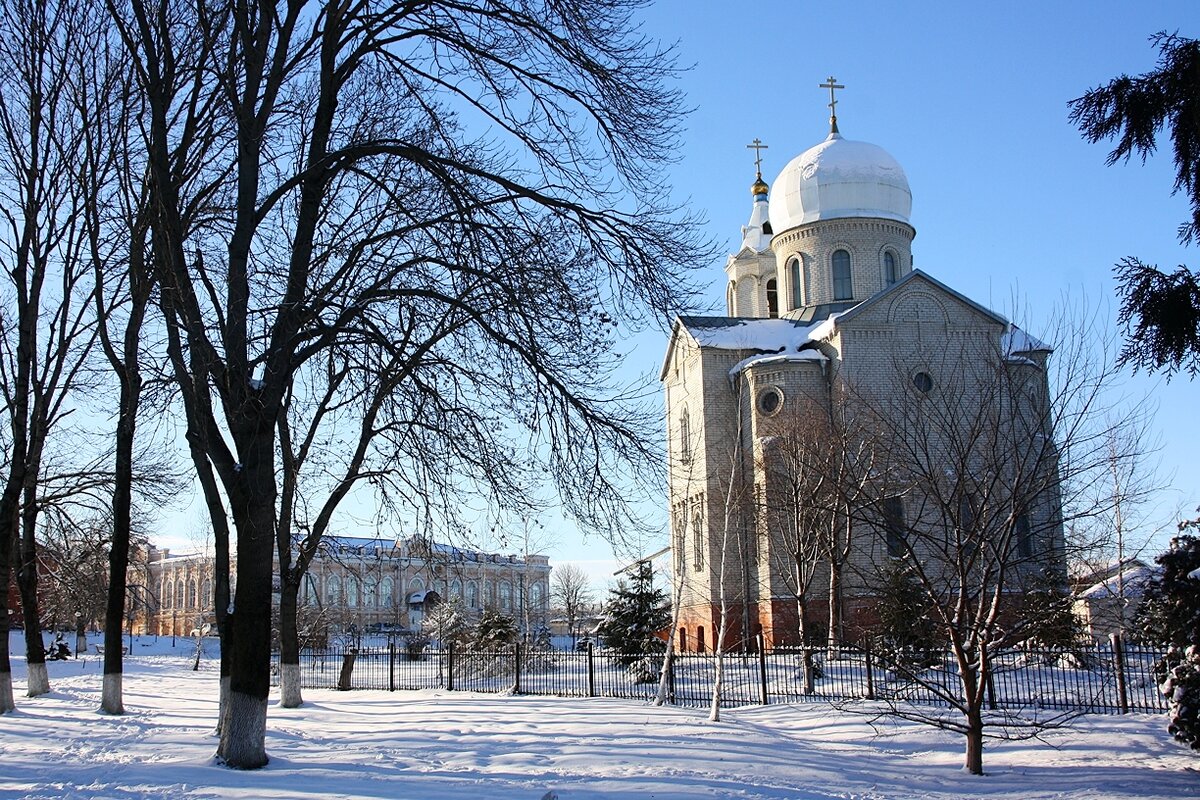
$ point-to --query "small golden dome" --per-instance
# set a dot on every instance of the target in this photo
(759, 187)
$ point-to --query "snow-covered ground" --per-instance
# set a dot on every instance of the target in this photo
(465, 746)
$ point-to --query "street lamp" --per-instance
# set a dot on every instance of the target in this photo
(80, 637)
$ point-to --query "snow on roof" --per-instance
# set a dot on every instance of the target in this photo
(1135, 577)
(764, 335)
(1016, 341)
(777, 358)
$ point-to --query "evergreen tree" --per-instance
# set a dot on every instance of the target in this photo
(635, 612)
(1160, 311)
(494, 631)
(907, 634)
(1170, 613)
(1047, 613)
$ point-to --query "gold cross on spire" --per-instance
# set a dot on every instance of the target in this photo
(757, 146)
(832, 84)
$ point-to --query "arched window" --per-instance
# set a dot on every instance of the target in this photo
(456, 588)
(772, 298)
(731, 297)
(843, 289)
(536, 593)
(505, 595)
(206, 595)
(891, 272)
(194, 591)
(472, 595)
(416, 585)
(685, 438)
(333, 591)
(794, 280)
(352, 592)
(168, 594)
(387, 587)
(180, 593)
(371, 593)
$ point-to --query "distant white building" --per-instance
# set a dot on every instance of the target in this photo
(1108, 599)
(359, 583)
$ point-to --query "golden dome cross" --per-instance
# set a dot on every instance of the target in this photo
(831, 84)
(757, 146)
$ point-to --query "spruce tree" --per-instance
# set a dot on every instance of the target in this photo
(1170, 613)
(635, 612)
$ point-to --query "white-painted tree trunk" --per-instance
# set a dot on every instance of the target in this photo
(110, 694)
(6, 694)
(243, 732)
(39, 680)
(289, 686)
(222, 705)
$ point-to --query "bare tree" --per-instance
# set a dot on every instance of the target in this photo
(311, 246)
(988, 462)
(571, 594)
(45, 329)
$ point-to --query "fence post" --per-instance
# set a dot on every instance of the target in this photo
(591, 671)
(990, 684)
(517, 668)
(450, 667)
(392, 666)
(1118, 648)
(870, 673)
(671, 677)
(762, 668)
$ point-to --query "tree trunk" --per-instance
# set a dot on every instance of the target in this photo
(974, 755)
(244, 727)
(38, 679)
(8, 531)
(289, 647)
(835, 608)
(111, 701)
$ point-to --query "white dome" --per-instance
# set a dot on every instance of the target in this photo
(839, 178)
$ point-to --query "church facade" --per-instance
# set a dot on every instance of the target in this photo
(833, 339)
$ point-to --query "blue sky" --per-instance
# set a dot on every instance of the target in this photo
(1009, 203)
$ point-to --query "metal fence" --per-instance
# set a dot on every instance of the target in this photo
(1104, 679)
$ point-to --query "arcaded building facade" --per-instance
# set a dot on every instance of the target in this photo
(365, 584)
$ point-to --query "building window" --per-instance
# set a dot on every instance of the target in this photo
(843, 288)
(685, 438)
(894, 526)
(794, 279)
(923, 381)
(505, 595)
(770, 400)
(1024, 536)
(731, 297)
(772, 298)
(699, 638)
(472, 595)
(891, 273)
(180, 594)
(371, 593)
(333, 591)
(698, 533)
(168, 594)
(206, 594)
(680, 541)
(352, 592)
(387, 588)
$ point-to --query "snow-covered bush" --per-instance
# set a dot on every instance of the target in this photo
(1170, 613)
(1181, 687)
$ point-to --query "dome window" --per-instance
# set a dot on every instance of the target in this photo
(772, 298)
(891, 273)
(843, 287)
(923, 381)
(794, 279)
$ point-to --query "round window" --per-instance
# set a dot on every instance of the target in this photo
(923, 381)
(770, 400)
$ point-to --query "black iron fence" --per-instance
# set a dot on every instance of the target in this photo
(1104, 679)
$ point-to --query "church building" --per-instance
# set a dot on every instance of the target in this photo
(828, 322)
